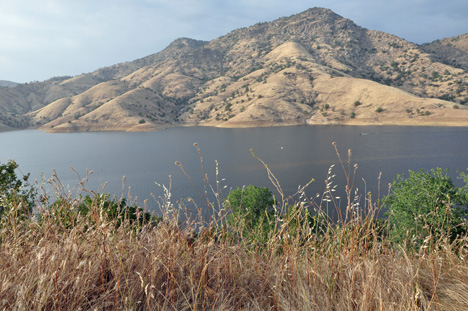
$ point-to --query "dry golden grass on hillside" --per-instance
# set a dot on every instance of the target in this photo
(281, 62)
(99, 267)
(290, 89)
(184, 263)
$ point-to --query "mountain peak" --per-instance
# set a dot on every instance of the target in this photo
(314, 67)
(318, 10)
(182, 43)
(318, 13)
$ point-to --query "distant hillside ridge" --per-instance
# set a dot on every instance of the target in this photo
(315, 67)
(4, 83)
(452, 51)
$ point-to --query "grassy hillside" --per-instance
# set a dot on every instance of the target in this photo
(4, 83)
(452, 51)
(281, 72)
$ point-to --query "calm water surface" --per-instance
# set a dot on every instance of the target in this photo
(294, 154)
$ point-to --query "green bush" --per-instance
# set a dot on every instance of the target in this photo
(252, 208)
(17, 200)
(426, 205)
(14, 190)
(93, 209)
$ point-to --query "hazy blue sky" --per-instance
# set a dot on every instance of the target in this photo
(46, 38)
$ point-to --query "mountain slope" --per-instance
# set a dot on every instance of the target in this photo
(315, 67)
(452, 51)
(4, 83)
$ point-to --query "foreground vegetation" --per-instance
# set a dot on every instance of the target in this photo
(89, 251)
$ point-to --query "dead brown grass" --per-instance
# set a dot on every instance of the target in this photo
(97, 265)
(47, 267)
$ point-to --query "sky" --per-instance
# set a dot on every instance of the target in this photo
(48, 38)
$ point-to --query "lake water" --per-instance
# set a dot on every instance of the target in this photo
(294, 154)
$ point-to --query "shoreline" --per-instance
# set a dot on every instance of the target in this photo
(260, 124)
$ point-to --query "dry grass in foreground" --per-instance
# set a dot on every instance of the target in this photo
(71, 261)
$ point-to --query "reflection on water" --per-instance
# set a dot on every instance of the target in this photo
(294, 154)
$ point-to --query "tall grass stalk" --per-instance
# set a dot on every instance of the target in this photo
(307, 262)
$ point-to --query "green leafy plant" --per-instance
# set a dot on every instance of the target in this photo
(426, 205)
(14, 190)
(464, 176)
(252, 208)
(93, 208)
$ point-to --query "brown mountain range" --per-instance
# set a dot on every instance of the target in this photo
(315, 67)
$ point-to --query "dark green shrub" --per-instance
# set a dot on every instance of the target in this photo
(379, 110)
(99, 207)
(15, 191)
(252, 208)
(426, 205)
